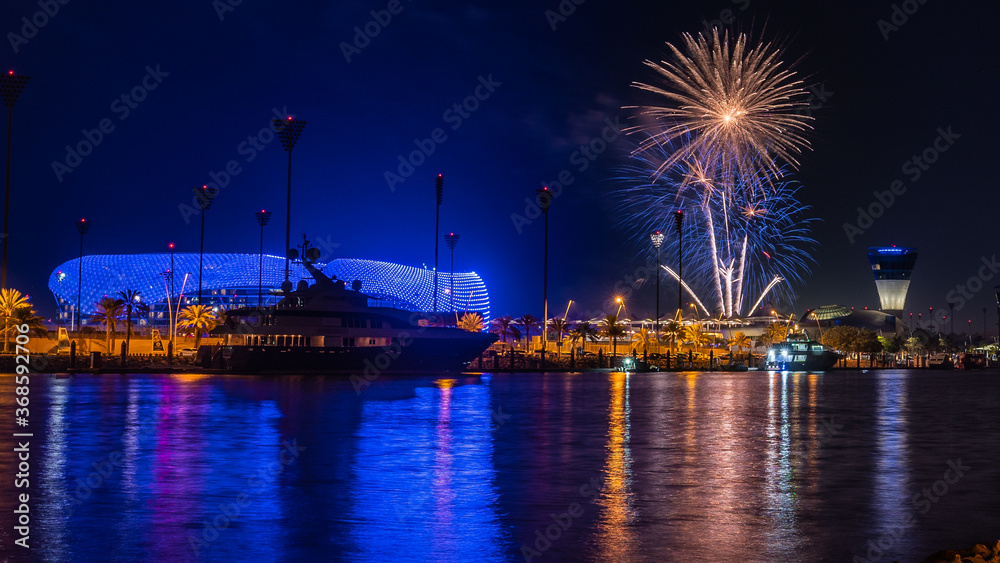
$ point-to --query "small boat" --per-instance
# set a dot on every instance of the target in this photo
(940, 361)
(799, 353)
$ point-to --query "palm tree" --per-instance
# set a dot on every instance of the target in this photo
(775, 333)
(27, 316)
(644, 337)
(528, 322)
(109, 312)
(131, 298)
(502, 326)
(560, 327)
(201, 318)
(671, 333)
(582, 332)
(472, 322)
(11, 301)
(695, 335)
(740, 341)
(613, 330)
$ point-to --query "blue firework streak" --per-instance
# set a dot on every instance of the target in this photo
(738, 238)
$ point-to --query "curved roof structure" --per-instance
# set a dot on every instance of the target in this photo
(236, 275)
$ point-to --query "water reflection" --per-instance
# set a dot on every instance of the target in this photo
(695, 467)
(413, 458)
(890, 502)
(615, 538)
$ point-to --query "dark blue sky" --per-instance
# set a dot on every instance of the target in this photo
(550, 91)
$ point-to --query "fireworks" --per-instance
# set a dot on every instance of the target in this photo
(719, 149)
(737, 241)
(737, 107)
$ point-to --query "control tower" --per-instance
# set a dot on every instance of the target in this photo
(892, 267)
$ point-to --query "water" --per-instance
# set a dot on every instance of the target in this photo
(649, 467)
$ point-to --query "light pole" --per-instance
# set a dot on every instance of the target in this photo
(679, 221)
(204, 201)
(170, 311)
(996, 291)
(657, 239)
(11, 86)
(262, 219)
(544, 197)
(452, 240)
(439, 192)
(83, 226)
(288, 131)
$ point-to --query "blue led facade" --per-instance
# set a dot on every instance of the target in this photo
(230, 280)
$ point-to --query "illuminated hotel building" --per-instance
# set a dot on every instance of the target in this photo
(231, 280)
(892, 267)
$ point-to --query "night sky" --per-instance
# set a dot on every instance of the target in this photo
(219, 80)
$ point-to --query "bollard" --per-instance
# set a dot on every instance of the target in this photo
(72, 354)
(170, 353)
(572, 359)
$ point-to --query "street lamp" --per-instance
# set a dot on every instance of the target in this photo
(288, 131)
(996, 290)
(679, 221)
(11, 86)
(83, 226)
(204, 201)
(262, 218)
(544, 199)
(439, 193)
(657, 239)
(452, 240)
(170, 311)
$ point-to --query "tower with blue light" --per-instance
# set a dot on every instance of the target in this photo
(893, 267)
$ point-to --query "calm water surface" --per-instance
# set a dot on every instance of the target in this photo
(508, 467)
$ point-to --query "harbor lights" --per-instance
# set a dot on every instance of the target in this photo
(263, 217)
(288, 131)
(11, 86)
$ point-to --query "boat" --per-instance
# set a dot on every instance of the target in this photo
(799, 353)
(940, 361)
(329, 327)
